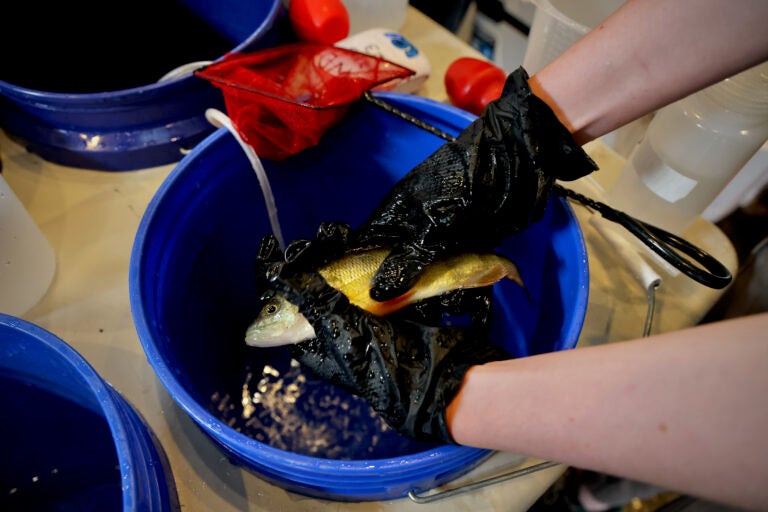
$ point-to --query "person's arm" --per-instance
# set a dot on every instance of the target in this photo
(686, 410)
(648, 54)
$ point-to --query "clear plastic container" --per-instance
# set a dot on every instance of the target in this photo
(557, 24)
(365, 14)
(692, 149)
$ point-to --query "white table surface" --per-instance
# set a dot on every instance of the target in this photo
(90, 218)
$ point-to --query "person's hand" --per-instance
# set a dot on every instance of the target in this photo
(492, 182)
(405, 365)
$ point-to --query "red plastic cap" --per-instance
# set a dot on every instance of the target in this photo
(473, 83)
(319, 21)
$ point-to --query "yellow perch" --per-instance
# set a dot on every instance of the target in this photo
(352, 275)
(280, 322)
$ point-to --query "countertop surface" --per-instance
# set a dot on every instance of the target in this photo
(90, 218)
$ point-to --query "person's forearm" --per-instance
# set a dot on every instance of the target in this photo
(686, 410)
(648, 54)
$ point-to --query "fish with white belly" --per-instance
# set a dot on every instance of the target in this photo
(280, 322)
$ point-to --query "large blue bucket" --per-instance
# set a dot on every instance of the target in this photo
(148, 124)
(193, 295)
(72, 442)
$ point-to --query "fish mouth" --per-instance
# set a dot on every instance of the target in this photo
(255, 336)
(290, 331)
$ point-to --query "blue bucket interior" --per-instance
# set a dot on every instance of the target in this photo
(72, 442)
(101, 105)
(193, 295)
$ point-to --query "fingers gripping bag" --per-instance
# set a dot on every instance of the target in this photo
(283, 99)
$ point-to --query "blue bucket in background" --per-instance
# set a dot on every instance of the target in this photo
(88, 93)
(192, 296)
(72, 442)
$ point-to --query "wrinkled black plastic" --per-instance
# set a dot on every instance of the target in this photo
(407, 366)
(493, 181)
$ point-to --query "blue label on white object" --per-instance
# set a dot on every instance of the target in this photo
(391, 46)
(398, 41)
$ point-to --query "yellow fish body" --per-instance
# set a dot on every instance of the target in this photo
(352, 275)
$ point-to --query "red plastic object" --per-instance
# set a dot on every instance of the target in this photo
(283, 99)
(473, 83)
(319, 21)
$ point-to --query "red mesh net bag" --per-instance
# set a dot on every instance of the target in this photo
(283, 99)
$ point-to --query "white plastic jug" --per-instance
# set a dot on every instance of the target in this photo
(27, 260)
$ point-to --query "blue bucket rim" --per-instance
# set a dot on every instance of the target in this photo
(116, 413)
(277, 458)
(138, 92)
(125, 129)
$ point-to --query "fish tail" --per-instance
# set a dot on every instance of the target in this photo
(498, 272)
(514, 275)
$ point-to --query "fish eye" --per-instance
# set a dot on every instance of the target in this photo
(271, 307)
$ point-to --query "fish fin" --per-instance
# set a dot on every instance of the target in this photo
(391, 305)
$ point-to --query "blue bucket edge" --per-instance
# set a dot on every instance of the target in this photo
(41, 121)
(147, 481)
